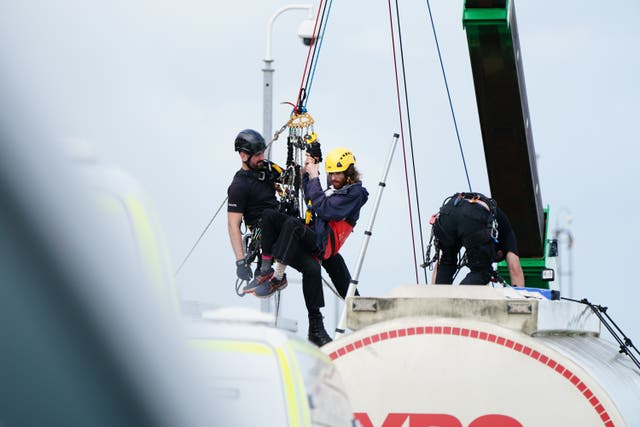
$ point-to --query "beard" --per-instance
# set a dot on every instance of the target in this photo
(260, 165)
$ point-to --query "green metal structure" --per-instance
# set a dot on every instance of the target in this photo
(498, 76)
(533, 267)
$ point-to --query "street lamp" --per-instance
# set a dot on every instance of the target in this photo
(305, 32)
(307, 39)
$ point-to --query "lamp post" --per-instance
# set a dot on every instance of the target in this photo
(267, 106)
(267, 93)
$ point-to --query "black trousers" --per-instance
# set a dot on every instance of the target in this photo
(337, 270)
(459, 224)
(292, 243)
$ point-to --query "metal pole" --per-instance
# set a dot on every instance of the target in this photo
(267, 96)
(340, 328)
(267, 103)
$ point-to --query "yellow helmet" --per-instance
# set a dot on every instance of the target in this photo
(339, 159)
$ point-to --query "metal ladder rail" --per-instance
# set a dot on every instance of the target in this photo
(342, 324)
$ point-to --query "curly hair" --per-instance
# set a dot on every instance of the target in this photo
(352, 175)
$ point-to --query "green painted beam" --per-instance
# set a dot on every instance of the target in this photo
(484, 17)
(507, 138)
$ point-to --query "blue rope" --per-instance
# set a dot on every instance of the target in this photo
(453, 114)
(315, 63)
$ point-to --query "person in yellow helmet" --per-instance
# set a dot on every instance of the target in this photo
(287, 239)
(336, 210)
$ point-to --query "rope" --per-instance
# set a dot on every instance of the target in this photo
(446, 85)
(276, 313)
(201, 236)
(314, 45)
(404, 155)
(413, 162)
(626, 345)
(321, 39)
(239, 283)
(331, 287)
(311, 47)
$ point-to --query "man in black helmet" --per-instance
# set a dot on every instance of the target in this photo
(252, 192)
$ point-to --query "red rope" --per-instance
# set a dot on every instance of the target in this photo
(311, 46)
(404, 153)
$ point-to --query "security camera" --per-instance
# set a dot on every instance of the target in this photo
(305, 32)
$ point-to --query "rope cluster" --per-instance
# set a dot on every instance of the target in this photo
(300, 126)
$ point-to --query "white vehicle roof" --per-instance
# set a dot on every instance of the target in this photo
(278, 375)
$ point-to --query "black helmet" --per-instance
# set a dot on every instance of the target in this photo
(250, 142)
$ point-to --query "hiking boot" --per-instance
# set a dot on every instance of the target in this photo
(257, 281)
(317, 333)
(266, 289)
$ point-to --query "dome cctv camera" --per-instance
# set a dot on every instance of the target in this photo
(305, 32)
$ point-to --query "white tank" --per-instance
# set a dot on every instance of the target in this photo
(458, 356)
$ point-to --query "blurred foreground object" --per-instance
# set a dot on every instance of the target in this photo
(84, 342)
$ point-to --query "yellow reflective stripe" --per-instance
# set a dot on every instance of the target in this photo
(233, 346)
(289, 389)
(293, 385)
(311, 351)
(146, 239)
(302, 392)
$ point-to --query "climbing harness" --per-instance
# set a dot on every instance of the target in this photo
(490, 204)
(492, 224)
(433, 242)
(251, 246)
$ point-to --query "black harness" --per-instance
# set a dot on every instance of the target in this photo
(492, 222)
(471, 197)
(271, 171)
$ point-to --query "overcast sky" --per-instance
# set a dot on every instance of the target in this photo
(161, 88)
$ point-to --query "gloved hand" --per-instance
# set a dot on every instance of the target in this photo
(243, 271)
(313, 149)
(311, 167)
